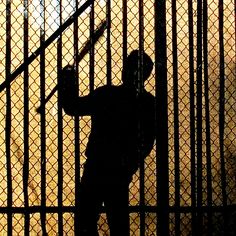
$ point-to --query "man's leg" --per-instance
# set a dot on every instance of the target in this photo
(116, 203)
(90, 201)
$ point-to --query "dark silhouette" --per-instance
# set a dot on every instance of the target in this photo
(122, 134)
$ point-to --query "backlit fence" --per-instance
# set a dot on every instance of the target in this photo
(187, 185)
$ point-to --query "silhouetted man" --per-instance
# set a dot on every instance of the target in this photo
(122, 134)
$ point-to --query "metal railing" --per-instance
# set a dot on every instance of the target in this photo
(186, 186)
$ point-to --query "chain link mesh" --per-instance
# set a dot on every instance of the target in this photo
(43, 20)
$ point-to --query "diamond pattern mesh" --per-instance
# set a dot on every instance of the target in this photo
(41, 19)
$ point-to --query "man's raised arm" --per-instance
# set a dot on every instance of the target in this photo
(71, 103)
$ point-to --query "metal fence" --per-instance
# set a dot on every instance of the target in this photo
(187, 185)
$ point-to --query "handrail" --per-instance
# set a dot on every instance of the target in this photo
(87, 46)
(35, 54)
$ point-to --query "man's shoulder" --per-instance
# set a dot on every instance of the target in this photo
(106, 88)
(148, 97)
(105, 93)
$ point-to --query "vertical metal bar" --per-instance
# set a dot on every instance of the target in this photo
(124, 31)
(60, 132)
(108, 18)
(176, 116)
(141, 46)
(199, 115)
(77, 133)
(43, 119)
(192, 115)
(26, 121)
(140, 91)
(124, 48)
(222, 110)
(207, 112)
(161, 118)
(8, 118)
(91, 71)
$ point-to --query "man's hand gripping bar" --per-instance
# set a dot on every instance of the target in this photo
(87, 46)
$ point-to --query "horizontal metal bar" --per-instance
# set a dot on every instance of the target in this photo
(132, 209)
(34, 55)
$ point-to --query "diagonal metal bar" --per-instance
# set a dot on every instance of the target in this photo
(87, 47)
(35, 54)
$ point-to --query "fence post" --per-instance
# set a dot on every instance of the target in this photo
(8, 121)
(161, 119)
